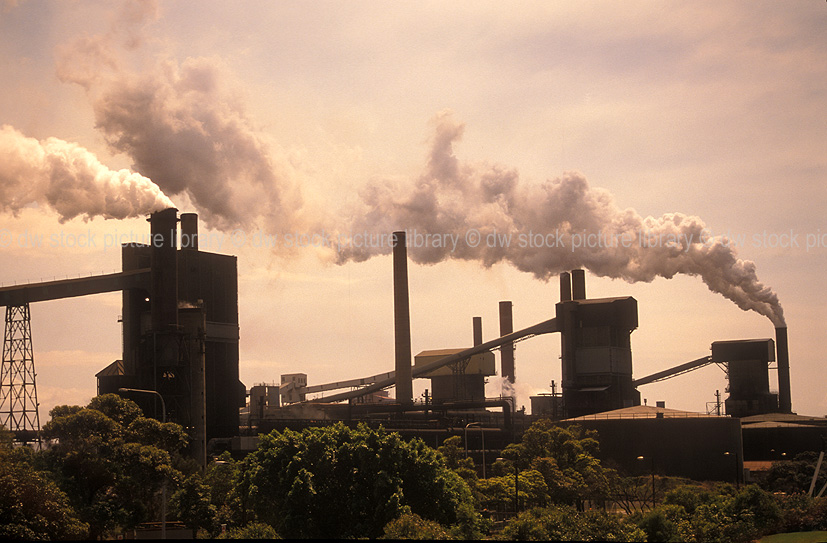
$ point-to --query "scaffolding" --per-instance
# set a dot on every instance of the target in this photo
(18, 390)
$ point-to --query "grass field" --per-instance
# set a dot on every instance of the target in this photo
(796, 537)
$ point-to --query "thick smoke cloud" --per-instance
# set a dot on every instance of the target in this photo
(579, 226)
(185, 126)
(69, 179)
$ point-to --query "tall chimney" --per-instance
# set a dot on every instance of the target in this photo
(507, 349)
(578, 284)
(477, 331)
(189, 231)
(565, 287)
(402, 320)
(164, 265)
(782, 357)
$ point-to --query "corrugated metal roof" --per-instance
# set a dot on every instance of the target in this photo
(771, 424)
(643, 412)
(783, 417)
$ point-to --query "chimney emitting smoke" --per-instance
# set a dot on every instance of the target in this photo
(783, 360)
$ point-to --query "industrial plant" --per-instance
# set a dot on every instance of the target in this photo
(180, 363)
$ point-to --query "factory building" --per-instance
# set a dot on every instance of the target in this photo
(747, 363)
(642, 440)
(595, 339)
(462, 380)
(181, 345)
(180, 331)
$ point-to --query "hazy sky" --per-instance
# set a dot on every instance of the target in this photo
(340, 117)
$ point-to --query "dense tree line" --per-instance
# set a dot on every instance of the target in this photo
(108, 469)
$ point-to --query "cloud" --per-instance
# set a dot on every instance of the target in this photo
(70, 180)
(545, 229)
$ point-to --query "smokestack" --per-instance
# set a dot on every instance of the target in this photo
(194, 324)
(189, 231)
(507, 350)
(565, 287)
(783, 359)
(402, 320)
(477, 331)
(164, 264)
(578, 284)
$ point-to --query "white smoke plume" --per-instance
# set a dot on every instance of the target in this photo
(184, 125)
(71, 180)
(579, 227)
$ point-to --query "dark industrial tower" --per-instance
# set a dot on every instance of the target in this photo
(747, 365)
(596, 348)
(180, 331)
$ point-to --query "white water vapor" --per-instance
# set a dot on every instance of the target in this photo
(578, 227)
(185, 126)
(70, 180)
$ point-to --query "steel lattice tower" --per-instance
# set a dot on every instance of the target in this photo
(18, 391)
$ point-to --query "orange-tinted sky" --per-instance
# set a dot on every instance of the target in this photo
(283, 117)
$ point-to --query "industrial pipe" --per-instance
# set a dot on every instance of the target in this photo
(544, 327)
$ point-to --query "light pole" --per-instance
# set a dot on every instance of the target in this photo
(516, 487)
(482, 434)
(737, 471)
(164, 485)
(652, 458)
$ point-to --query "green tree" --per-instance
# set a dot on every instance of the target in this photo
(222, 477)
(112, 470)
(666, 523)
(802, 513)
(794, 476)
(498, 493)
(338, 482)
(722, 514)
(192, 504)
(565, 523)
(253, 530)
(456, 460)
(412, 526)
(566, 457)
(31, 505)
